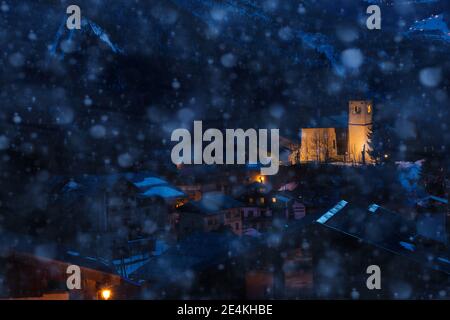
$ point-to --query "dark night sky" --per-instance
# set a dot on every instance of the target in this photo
(232, 64)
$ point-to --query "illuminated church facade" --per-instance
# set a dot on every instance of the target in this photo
(342, 138)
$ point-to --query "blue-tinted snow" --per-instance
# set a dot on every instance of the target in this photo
(163, 191)
(63, 34)
(150, 181)
(433, 28)
(443, 260)
(255, 11)
(327, 216)
(408, 246)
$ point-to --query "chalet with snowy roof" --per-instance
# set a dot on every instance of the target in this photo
(117, 208)
(354, 237)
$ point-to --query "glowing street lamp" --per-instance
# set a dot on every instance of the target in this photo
(105, 294)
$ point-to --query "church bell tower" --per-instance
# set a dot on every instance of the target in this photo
(359, 128)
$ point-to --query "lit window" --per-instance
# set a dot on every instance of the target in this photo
(274, 200)
(261, 200)
(369, 108)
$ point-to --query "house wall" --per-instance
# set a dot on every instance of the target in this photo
(258, 218)
(291, 209)
(298, 210)
(233, 219)
(192, 222)
(213, 222)
(318, 144)
(258, 284)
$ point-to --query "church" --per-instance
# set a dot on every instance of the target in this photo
(343, 138)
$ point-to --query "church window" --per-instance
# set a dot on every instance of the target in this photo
(369, 109)
(356, 109)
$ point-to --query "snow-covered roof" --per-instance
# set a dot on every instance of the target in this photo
(330, 213)
(147, 184)
(166, 191)
(430, 197)
(22, 244)
(386, 230)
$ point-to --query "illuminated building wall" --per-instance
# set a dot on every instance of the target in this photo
(318, 144)
(349, 144)
(359, 127)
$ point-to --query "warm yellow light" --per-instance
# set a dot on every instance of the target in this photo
(274, 200)
(369, 109)
(106, 294)
(261, 179)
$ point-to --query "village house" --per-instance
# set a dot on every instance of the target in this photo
(38, 270)
(262, 205)
(126, 212)
(213, 212)
(285, 206)
(256, 211)
(373, 235)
